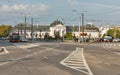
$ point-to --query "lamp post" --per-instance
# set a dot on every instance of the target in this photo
(79, 23)
(83, 23)
(82, 20)
(25, 22)
(32, 30)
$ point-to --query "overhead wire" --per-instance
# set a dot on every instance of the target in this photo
(104, 12)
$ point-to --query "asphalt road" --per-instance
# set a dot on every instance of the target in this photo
(44, 59)
(103, 60)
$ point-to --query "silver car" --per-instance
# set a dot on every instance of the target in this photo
(116, 40)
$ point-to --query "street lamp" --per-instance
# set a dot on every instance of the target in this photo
(25, 14)
(32, 30)
(82, 19)
(79, 22)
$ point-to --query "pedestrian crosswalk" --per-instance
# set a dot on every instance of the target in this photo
(76, 61)
(106, 44)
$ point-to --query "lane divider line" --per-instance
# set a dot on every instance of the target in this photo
(4, 63)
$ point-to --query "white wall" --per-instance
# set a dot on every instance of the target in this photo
(60, 28)
(38, 34)
(93, 34)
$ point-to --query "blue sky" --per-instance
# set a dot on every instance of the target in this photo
(99, 12)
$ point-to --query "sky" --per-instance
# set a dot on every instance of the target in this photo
(44, 12)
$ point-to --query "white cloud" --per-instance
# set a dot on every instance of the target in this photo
(38, 10)
(5, 8)
(19, 7)
(40, 7)
(22, 7)
(73, 2)
(8, 11)
(15, 7)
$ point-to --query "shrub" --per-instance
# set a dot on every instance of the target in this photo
(68, 36)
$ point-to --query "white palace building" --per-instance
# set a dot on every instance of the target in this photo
(62, 31)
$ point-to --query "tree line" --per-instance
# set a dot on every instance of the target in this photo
(115, 33)
(5, 30)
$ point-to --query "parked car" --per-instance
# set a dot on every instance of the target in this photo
(23, 40)
(108, 39)
(116, 40)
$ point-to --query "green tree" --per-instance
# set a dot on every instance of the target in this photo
(117, 33)
(110, 32)
(90, 27)
(5, 30)
(56, 22)
(114, 33)
(68, 36)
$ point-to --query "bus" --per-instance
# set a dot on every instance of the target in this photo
(14, 37)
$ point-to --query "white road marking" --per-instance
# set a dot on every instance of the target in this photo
(76, 61)
(35, 53)
(107, 44)
(4, 51)
(118, 53)
(113, 52)
(24, 47)
(4, 63)
(29, 55)
(45, 57)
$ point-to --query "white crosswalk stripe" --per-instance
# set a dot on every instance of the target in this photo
(106, 44)
(76, 61)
